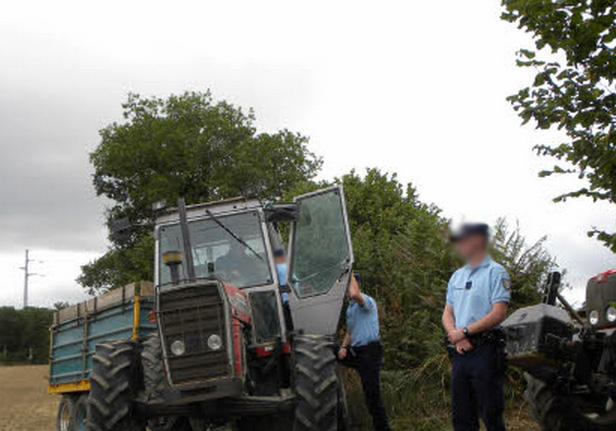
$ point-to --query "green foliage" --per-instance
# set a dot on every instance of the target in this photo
(573, 89)
(402, 251)
(24, 335)
(184, 146)
(528, 265)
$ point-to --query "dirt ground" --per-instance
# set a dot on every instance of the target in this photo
(24, 402)
(26, 406)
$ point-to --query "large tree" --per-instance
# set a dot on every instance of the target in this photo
(573, 89)
(183, 146)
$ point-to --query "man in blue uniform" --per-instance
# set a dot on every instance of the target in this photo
(363, 351)
(280, 259)
(478, 295)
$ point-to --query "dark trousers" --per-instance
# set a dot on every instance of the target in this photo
(367, 361)
(477, 389)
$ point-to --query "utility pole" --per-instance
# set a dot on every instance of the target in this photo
(27, 275)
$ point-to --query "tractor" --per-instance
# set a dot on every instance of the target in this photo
(568, 356)
(223, 353)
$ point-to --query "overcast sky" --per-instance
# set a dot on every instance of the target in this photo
(416, 88)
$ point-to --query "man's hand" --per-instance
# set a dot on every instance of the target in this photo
(342, 353)
(354, 292)
(456, 336)
(463, 347)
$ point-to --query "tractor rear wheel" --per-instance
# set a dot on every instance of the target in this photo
(114, 384)
(316, 384)
(562, 412)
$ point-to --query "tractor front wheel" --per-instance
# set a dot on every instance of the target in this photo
(561, 412)
(317, 386)
(114, 384)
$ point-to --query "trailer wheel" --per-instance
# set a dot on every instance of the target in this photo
(559, 412)
(79, 414)
(113, 388)
(316, 384)
(65, 412)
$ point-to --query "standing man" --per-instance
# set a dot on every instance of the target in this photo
(477, 298)
(363, 351)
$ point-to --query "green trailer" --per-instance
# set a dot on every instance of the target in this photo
(119, 314)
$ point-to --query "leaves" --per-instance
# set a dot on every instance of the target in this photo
(185, 145)
(577, 96)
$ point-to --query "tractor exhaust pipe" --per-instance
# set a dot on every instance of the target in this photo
(188, 256)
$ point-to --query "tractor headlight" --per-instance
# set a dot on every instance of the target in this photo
(611, 314)
(178, 348)
(593, 317)
(214, 342)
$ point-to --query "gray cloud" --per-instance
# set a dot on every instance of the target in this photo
(46, 197)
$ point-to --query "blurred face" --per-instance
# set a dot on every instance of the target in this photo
(471, 246)
(280, 259)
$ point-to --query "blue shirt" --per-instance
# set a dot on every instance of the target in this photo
(363, 322)
(281, 268)
(473, 291)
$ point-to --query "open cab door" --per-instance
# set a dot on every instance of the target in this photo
(320, 261)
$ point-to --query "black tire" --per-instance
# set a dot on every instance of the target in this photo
(65, 412)
(79, 414)
(560, 412)
(152, 366)
(114, 384)
(154, 384)
(316, 384)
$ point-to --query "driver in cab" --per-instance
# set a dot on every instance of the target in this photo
(240, 266)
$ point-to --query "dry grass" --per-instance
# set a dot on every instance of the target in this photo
(24, 402)
(26, 406)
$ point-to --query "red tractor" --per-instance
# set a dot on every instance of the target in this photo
(223, 352)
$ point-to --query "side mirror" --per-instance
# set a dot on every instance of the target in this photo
(173, 259)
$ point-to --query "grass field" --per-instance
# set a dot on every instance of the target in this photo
(26, 406)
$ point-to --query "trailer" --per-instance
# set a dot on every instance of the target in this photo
(124, 313)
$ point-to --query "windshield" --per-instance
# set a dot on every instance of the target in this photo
(230, 248)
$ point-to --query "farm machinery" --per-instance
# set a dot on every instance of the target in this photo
(211, 344)
(569, 357)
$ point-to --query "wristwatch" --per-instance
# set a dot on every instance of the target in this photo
(466, 332)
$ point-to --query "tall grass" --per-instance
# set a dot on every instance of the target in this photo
(419, 399)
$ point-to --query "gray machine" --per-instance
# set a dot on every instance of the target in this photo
(569, 360)
(223, 351)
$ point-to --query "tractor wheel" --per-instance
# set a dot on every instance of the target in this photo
(154, 383)
(560, 412)
(65, 412)
(80, 411)
(113, 387)
(152, 365)
(316, 384)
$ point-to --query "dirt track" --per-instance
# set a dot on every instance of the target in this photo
(24, 402)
